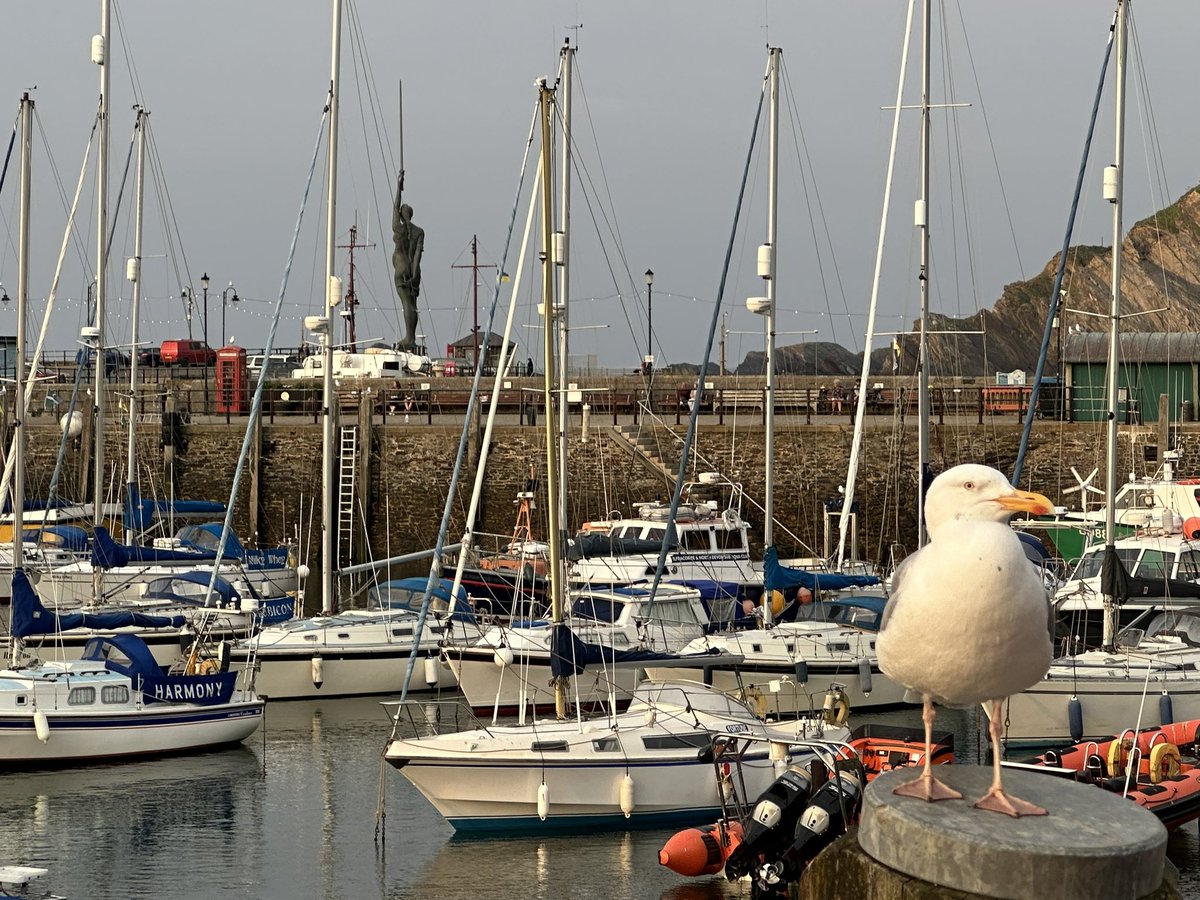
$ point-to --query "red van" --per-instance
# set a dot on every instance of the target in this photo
(187, 353)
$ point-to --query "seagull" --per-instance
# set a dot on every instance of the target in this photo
(967, 621)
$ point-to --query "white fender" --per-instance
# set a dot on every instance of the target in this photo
(543, 801)
(318, 671)
(503, 656)
(431, 671)
(627, 795)
(41, 725)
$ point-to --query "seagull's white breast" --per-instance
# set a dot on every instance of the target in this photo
(969, 619)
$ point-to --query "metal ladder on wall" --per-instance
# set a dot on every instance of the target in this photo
(347, 472)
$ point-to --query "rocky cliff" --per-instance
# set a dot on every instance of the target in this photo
(1161, 278)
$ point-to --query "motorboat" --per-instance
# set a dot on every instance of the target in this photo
(652, 765)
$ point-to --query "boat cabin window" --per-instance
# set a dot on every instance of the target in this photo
(81, 696)
(549, 746)
(597, 608)
(22, 700)
(730, 539)
(696, 539)
(655, 534)
(114, 693)
(391, 365)
(700, 740)
(402, 632)
(1091, 563)
(1155, 564)
(608, 745)
(675, 612)
(1189, 565)
(839, 646)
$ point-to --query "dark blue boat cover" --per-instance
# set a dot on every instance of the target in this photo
(127, 654)
(779, 578)
(569, 655)
(29, 617)
(586, 546)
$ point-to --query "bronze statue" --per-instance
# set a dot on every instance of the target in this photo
(406, 262)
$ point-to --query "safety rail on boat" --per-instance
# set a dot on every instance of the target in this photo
(429, 718)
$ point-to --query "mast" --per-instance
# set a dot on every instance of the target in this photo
(1114, 178)
(18, 493)
(134, 274)
(545, 106)
(562, 249)
(922, 223)
(767, 270)
(332, 296)
(100, 58)
(351, 297)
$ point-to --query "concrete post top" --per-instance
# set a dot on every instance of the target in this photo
(1093, 845)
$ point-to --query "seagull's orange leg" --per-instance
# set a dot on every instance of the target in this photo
(926, 787)
(996, 799)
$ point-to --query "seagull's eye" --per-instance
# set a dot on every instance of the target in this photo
(969, 485)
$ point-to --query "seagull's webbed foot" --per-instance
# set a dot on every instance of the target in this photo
(927, 788)
(998, 801)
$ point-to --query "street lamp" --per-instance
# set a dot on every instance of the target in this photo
(648, 363)
(224, 294)
(204, 284)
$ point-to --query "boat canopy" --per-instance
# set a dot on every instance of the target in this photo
(127, 654)
(30, 617)
(1116, 582)
(207, 536)
(191, 589)
(108, 554)
(777, 577)
(140, 512)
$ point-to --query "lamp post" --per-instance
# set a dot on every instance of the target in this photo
(648, 362)
(204, 284)
(225, 294)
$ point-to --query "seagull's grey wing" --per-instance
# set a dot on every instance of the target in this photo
(894, 594)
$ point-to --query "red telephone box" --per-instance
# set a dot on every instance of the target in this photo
(232, 381)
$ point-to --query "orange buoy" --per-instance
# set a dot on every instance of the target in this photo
(1191, 528)
(701, 851)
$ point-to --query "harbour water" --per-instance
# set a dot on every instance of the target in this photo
(292, 813)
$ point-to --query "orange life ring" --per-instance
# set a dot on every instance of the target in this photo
(1118, 752)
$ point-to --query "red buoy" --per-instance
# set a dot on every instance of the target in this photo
(701, 851)
(1191, 528)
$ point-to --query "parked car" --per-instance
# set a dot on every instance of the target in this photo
(150, 356)
(113, 359)
(187, 353)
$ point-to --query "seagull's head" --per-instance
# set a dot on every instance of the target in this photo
(978, 494)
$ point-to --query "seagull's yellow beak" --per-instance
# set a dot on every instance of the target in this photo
(1027, 501)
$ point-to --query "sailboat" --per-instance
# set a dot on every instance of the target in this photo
(1141, 674)
(116, 702)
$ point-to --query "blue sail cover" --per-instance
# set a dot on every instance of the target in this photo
(30, 617)
(127, 654)
(570, 656)
(108, 554)
(779, 578)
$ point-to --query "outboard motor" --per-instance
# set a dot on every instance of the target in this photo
(833, 808)
(768, 830)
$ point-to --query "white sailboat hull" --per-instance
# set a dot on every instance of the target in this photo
(83, 736)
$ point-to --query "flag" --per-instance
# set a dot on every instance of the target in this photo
(895, 355)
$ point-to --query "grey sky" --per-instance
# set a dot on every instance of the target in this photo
(236, 90)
